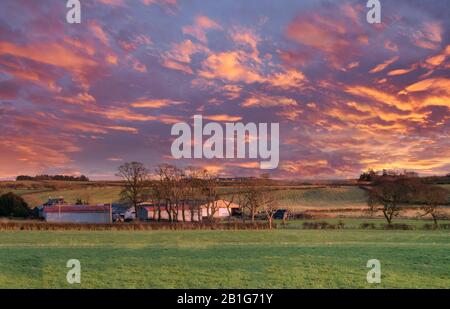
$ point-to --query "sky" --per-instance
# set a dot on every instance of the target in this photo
(348, 95)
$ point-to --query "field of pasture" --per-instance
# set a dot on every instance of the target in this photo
(322, 197)
(295, 198)
(284, 258)
(37, 192)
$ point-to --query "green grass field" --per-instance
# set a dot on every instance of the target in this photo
(95, 195)
(331, 197)
(226, 259)
(355, 223)
(299, 198)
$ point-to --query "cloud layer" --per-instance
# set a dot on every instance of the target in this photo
(348, 95)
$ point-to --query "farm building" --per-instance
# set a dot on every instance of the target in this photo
(222, 210)
(123, 213)
(149, 211)
(77, 214)
(51, 202)
(55, 201)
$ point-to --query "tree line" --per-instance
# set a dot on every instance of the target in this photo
(52, 177)
(391, 193)
(373, 175)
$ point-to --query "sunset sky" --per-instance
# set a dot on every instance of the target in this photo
(85, 98)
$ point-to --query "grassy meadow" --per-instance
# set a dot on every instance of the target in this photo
(226, 259)
(288, 257)
(296, 198)
(95, 195)
(327, 197)
(37, 192)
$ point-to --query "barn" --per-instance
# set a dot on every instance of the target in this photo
(221, 209)
(77, 214)
(149, 211)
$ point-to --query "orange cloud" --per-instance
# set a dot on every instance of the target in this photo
(262, 100)
(431, 84)
(379, 96)
(99, 33)
(80, 98)
(288, 79)
(124, 114)
(177, 66)
(53, 54)
(155, 103)
(137, 65)
(229, 66)
(246, 37)
(113, 2)
(223, 118)
(111, 59)
(114, 159)
(384, 65)
(401, 71)
(232, 91)
(201, 25)
(438, 59)
(430, 36)
(329, 30)
(183, 51)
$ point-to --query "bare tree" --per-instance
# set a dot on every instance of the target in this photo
(255, 194)
(209, 188)
(270, 209)
(432, 197)
(194, 191)
(135, 175)
(228, 201)
(267, 199)
(247, 198)
(390, 193)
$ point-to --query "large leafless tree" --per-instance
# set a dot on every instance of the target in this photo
(431, 197)
(391, 193)
(136, 177)
(256, 195)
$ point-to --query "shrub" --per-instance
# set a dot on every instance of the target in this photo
(429, 226)
(144, 226)
(12, 205)
(323, 225)
(367, 226)
(398, 226)
(302, 215)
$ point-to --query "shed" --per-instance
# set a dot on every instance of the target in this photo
(77, 213)
(221, 209)
(150, 211)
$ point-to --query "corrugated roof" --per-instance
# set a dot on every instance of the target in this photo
(163, 207)
(219, 203)
(76, 208)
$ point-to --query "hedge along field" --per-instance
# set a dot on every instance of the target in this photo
(226, 259)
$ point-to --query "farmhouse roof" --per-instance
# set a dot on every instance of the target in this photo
(223, 204)
(187, 205)
(76, 208)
